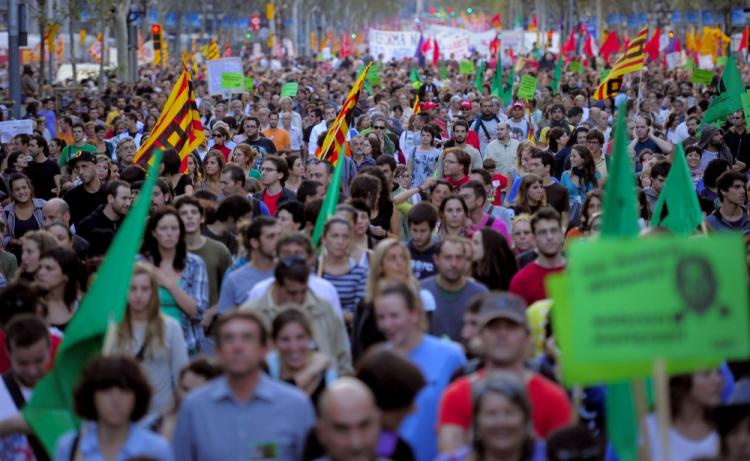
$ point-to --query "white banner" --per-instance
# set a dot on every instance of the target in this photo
(14, 127)
(222, 66)
(386, 45)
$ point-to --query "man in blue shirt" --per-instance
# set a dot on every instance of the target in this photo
(244, 414)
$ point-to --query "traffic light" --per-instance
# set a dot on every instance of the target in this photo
(156, 35)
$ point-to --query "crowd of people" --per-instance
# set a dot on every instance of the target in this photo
(408, 334)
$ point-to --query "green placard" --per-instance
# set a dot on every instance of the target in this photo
(576, 66)
(745, 98)
(668, 298)
(721, 61)
(467, 68)
(373, 76)
(289, 89)
(578, 369)
(232, 81)
(249, 84)
(702, 76)
(527, 87)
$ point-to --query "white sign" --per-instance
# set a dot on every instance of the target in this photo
(14, 127)
(387, 45)
(222, 66)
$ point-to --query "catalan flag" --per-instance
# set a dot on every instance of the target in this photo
(213, 51)
(179, 126)
(417, 107)
(339, 129)
(631, 61)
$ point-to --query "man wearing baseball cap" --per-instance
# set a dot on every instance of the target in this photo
(84, 198)
(518, 124)
(504, 334)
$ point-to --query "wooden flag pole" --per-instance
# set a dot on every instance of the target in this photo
(661, 384)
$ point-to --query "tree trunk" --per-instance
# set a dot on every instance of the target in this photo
(71, 37)
(121, 38)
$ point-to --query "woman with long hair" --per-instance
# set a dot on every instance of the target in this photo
(33, 245)
(153, 339)
(494, 263)
(582, 176)
(213, 163)
(180, 183)
(103, 168)
(59, 278)
(338, 267)
(692, 433)
(531, 195)
(454, 215)
(501, 426)
(244, 156)
(296, 172)
(578, 136)
(591, 206)
(112, 394)
(390, 260)
(384, 219)
(195, 169)
(24, 212)
(556, 140)
(293, 360)
(182, 276)
(440, 190)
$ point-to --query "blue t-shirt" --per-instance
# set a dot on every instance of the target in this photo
(437, 360)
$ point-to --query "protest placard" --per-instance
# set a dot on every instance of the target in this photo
(702, 76)
(249, 84)
(232, 81)
(289, 89)
(466, 68)
(216, 68)
(13, 127)
(527, 87)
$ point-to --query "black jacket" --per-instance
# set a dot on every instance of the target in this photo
(96, 221)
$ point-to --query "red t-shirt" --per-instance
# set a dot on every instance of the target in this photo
(271, 201)
(550, 407)
(528, 283)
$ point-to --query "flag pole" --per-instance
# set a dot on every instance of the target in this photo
(640, 86)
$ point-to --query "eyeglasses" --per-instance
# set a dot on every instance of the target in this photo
(379, 127)
(218, 135)
(289, 261)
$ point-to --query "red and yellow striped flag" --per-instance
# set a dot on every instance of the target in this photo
(339, 131)
(631, 61)
(213, 51)
(179, 126)
(417, 107)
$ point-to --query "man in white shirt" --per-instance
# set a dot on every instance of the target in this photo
(329, 115)
(503, 150)
(295, 133)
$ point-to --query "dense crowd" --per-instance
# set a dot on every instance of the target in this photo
(418, 330)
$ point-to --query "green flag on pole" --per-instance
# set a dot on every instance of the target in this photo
(331, 199)
(497, 81)
(727, 100)
(507, 94)
(414, 75)
(50, 412)
(620, 219)
(479, 80)
(555, 84)
(683, 213)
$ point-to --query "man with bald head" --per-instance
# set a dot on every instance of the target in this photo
(349, 422)
(57, 211)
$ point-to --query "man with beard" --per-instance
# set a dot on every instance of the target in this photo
(253, 138)
(713, 146)
(329, 115)
(107, 218)
(485, 126)
(556, 119)
(460, 132)
(85, 197)
(737, 139)
(528, 283)
(644, 138)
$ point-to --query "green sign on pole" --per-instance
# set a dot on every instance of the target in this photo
(669, 298)
(527, 87)
(289, 89)
(232, 81)
(467, 67)
(702, 76)
(249, 84)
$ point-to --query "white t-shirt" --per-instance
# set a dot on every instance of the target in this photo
(680, 447)
(321, 288)
(13, 447)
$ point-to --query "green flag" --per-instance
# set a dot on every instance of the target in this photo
(479, 80)
(557, 75)
(507, 94)
(497, 81)
(727, 100)
(368, 85)
(620, 219)
(683, 213)
(442, 71)
(331, 199)
(414, 75)
(50, 412)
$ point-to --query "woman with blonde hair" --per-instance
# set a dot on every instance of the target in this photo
(33, 245)
(153, 339)
(213, 164)
(390, 260)
(531, 195)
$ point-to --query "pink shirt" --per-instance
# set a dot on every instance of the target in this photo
(497, 225)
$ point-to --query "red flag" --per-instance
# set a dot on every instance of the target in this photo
(570, 46)
(497, 22)
(494, 46)
(611, 45)
(435, 52)
(589, 48)
(652, 46)
(511, 54)
(426, 46)
(745, 40)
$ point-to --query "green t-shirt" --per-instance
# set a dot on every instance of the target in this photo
(70, 150)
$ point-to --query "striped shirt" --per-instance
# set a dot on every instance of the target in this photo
(350, 286)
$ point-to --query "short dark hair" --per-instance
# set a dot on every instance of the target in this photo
(235, 173)
(296, 209)
(287, 316)
(294, 238)
(172, 162)
(714, 169)
(486, 175)
(280, 164)
(185, 200)
(726, 180)
(202, 366)
(307, 188)
(112, 186)
(595, 135)
(15, 299)
(660, 169)
(133, 174)
(312, 210)
(253, 231)
(105, 372)
(392, 378)
(25, 330)
(386, 160)
(234, 206)
(545, 156)
(247, 315)
(462, 123)
(478, 189)
(295, 269)
(423, 212)
(545, 214)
